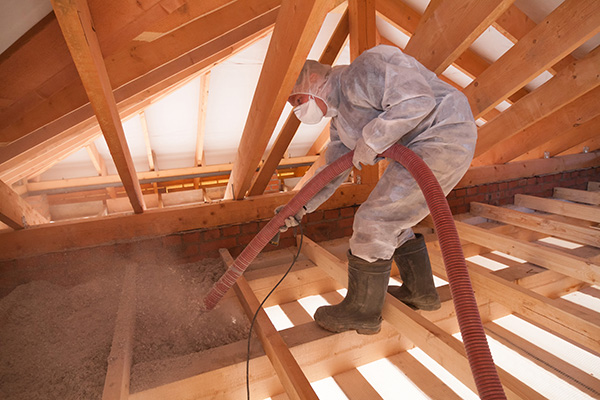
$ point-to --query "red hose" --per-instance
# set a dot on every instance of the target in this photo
(476, 346)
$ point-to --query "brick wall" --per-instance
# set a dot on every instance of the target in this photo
(191, 246)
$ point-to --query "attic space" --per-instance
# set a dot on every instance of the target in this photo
(146, 144)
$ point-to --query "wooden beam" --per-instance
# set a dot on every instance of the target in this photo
(141, 63)
(149, 152)
(77, 26)
(554, 133)
(202, 103)
(526, 169)
(451, 29)
(100, 166)
(297, 26)
(448, 351)
(361, 16)
(406, 20)
(92, 232)
(16, 212)
(564, 230)
(573, 210)
(566, 28)
(569, 84)
(320, 144)
(289, 372)
(546, 360)
(116, 383)
(330, 54)
(579, 196)
(577, 267)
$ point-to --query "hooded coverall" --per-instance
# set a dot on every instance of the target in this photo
(387, 97)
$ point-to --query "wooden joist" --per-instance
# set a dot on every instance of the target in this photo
(116, 383)
(568, 209)
(538, 223)
(290, 374)
(16, 212)
(579, 196)
(438, 344)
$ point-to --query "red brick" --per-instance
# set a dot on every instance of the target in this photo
(471, 191)
(230, 230)
(211, 234)
(345, 222)
(172, 240)
(251, 227)
(347, 212)
(225, 243)
(315, 216)
(331, 214)
(191, 237)
(460, 192)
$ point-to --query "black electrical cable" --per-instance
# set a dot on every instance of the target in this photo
(260, 307)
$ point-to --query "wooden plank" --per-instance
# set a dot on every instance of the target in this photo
(218, 372)
(514, 24)
(16, 212)
(290, 374)
(572, 82)
(361, 16)
(116, 384)
(576, 233)
(581, 327)
(577, 267)
(451, 29)
(330, 54)
(76, 24)
(560, 368)
(579, 196)
(355, 386)
(296, 313)
(203, 101)
(593, 186)
(579, 211)
(526, 169)
(439, 345)
(92, 232)
(573, 124)
(566, 28)
(232, 27)
(297, 26)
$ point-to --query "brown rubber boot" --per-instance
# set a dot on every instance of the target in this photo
(417, 290)
(361, 309)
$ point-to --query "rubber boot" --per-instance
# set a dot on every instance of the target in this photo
(361, 309)
(418, 290)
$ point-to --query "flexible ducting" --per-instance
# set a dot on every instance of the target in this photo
(473, 335)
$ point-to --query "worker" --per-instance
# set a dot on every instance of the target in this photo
(385, 97)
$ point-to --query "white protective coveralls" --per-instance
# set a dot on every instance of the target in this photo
(385, 97)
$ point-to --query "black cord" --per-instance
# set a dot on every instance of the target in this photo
(260, 307)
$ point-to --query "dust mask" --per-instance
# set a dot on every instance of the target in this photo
(309, 112)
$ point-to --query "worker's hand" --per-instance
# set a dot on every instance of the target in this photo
(292, 220)
(363, 154)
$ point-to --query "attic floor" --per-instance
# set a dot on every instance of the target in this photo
(541, 316)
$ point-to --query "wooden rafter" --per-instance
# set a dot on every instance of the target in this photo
(330, 54)
(100, 166)
(297, 27)
(529, 168)
(572, 136)
(202, 103)
(566, 28)
(16, 212)
(363, 33)
(172, 53)
(145, 133)
(75, 22)
(570, 83)
(550, 133)
(451, 30)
